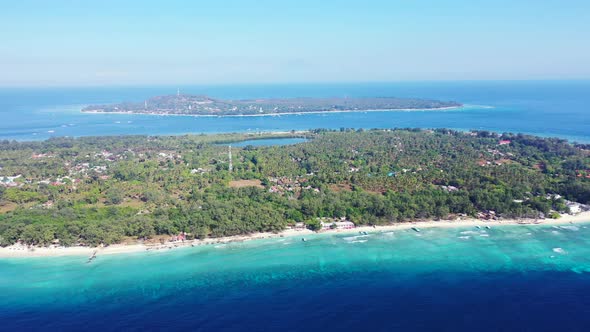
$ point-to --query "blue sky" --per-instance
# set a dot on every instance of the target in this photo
(109, 42)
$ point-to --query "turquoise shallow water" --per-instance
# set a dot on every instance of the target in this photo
(345, 281)
(524, 278)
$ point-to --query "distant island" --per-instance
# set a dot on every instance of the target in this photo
(183, 104)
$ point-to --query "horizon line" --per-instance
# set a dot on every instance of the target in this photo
(279, 83)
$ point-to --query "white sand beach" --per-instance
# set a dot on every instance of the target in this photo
(56, 251)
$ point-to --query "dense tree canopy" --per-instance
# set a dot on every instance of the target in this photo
(100, 190)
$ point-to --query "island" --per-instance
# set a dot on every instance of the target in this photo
(100, 191)
(183, 104)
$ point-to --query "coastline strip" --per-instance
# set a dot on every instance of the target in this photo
(280, 114)
(17, 251)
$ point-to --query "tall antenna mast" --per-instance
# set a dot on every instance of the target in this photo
(230, 159)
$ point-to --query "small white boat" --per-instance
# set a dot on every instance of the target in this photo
(416, 229)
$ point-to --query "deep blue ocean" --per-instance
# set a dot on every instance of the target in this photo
(509, 278)
(546, 108)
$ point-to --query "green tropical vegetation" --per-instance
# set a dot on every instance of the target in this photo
(203, 105)
(102, 190)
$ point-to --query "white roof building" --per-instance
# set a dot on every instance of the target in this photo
(337, 225)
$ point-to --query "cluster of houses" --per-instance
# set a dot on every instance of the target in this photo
(180, 237)
(328, 224)
(198, 171)
(41, 155)
(79, 170)
(60, 181)
(576, 207)
(84, 169)
(483, 162)
(285, 184)
(108, 155)
(165, 156)
(449, 188)
(76, 172)
(487, 215)
(496, 152)
(9, 181)
(496, 156)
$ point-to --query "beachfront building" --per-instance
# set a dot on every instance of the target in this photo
(330, 224)
(576, 207)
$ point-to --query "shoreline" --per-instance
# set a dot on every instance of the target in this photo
(279, 114)
(19, 251)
